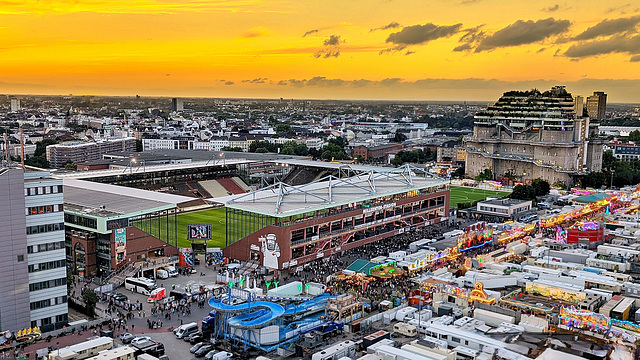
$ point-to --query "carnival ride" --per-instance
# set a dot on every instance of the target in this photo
(265, 325)
(24, 336)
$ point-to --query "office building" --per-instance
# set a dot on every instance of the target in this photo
(597, 105)
(79, 152)
(626, 152)
(33, 261)
(177, 104)
(531, 134)
(15, 105)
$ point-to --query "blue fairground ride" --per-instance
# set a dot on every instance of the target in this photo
(265, 325)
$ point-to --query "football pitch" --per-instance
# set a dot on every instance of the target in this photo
(460, 194)
(215, 217)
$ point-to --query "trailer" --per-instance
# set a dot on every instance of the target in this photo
(337, 351)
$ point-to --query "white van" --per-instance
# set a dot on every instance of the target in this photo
(186, 330)
(172, 271)
(162, 274)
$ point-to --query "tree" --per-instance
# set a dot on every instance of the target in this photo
(70, 165)
(540, 187)
(523, 192)
(399, 137)
(90, 300)
(459, 173)
(634, 136)
(486, 174)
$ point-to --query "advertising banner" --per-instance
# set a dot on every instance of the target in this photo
(120, 236)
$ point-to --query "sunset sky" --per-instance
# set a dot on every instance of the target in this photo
(348, 49)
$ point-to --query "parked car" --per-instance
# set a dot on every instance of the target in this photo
(203, 350)
(119, 296)
(197, 346)
(140, 339)
(194, 338)
(126, 338)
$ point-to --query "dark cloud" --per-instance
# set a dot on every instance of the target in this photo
(615, 44)
(282, 82)
(621, 8)
(463, 47)
(469, 2)
(391, 25)
(314, 31)
(609, 27)
(635, 58)
(324, 82)
(524, 32)
(552, 8)
(392, 50)
(471, 37)
(541, 50)
(333, 40)
(420, 34)
(229, 83)
(256, 81)
(331, 48)
(409, 52)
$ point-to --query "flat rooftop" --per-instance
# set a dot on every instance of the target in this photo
(282, 200)
(503, 202)
(89, 198)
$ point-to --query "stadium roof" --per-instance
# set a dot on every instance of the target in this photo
(105, 200)
(282, 200)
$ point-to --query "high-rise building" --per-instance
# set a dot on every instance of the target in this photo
(578, 106)
(34, 289)
(15, 105)
(531, 134)
(177, 104)
(597, 105)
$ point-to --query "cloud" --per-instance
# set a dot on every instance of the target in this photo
(621, 8)
(635, 58)
(615, 44)
(331, 48)
(409, 52)
(420, 34)
(523, 32)
(471, 37)
(229, 83)
(469, 2)
(255, 32)
(609, 27)
(391, 25)
(256, 81)
(541, 50)
(463, 47)
(552, 8)
(314, 31)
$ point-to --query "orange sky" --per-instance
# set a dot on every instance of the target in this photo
(358, 49)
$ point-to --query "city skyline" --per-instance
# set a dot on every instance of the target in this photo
(378, 50)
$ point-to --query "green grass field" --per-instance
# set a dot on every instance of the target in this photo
(464, 194)
(215, 217)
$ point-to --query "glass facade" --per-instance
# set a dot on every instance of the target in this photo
(240, 224)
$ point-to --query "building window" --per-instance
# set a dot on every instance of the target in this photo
(20, 258)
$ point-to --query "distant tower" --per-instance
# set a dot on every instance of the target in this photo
(597, 105)
(578, 106)
(177, 104)
(15, 105)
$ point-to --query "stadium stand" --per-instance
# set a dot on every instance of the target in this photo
(231, 186)
(214, 188)
(241, 183)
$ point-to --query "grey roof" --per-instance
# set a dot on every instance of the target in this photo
(282, 200)
(88, 197)
(504, 202)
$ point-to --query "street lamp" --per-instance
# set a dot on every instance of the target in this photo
(611, 184)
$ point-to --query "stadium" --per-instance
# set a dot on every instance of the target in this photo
(282, 225)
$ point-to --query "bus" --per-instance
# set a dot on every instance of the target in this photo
(140, 285)
(82, 350)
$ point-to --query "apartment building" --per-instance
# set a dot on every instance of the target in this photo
(78, 152)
